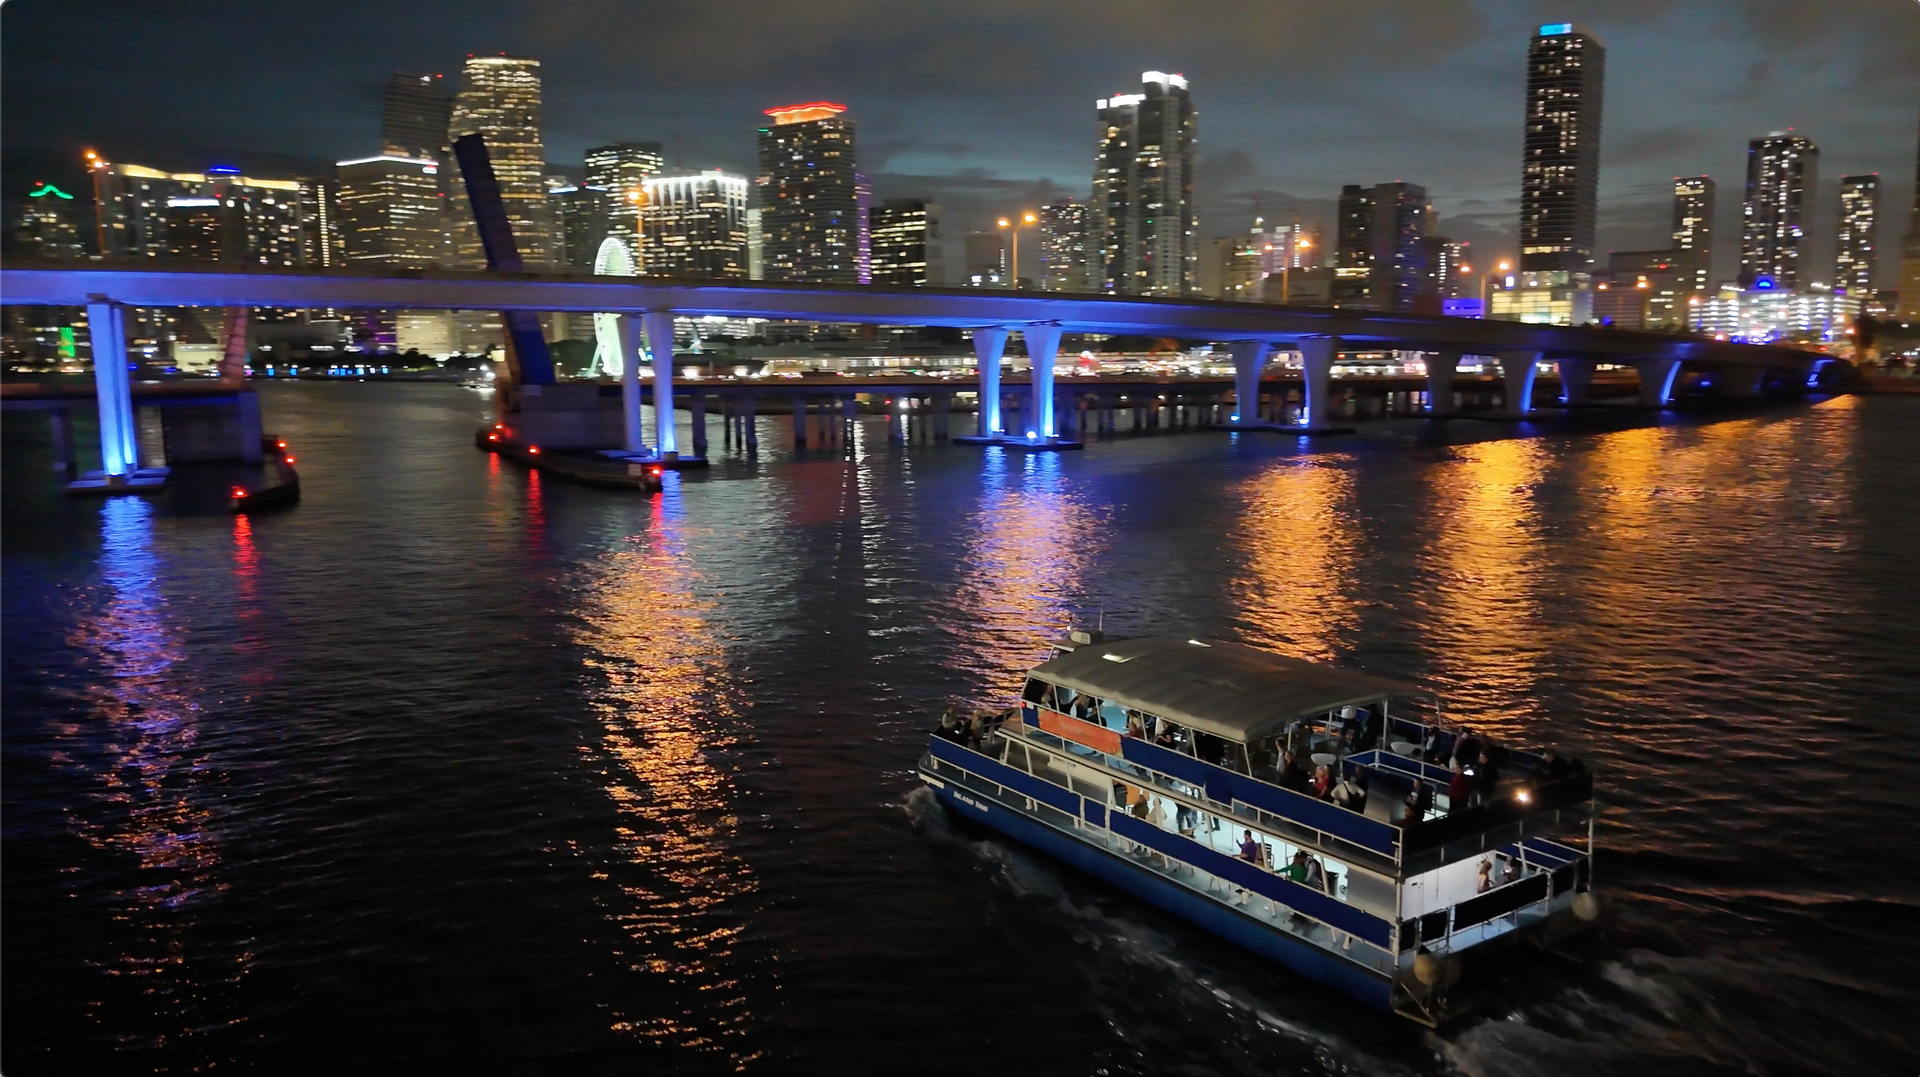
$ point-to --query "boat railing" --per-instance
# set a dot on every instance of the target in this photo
(1146, 845)
(1554, 873)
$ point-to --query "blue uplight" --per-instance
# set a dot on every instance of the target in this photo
(1763, 284)
(1554, 28)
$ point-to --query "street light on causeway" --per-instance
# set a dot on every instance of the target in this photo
(1026, 221)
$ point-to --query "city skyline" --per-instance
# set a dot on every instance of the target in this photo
(1668, 112)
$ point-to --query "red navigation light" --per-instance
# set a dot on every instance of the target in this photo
(534, 449)
(289, 459)
(280, 444)
(239, 491)
(493, 437)
(653, 471)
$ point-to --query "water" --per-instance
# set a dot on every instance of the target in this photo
(455, 766)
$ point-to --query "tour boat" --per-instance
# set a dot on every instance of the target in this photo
(1187, 771)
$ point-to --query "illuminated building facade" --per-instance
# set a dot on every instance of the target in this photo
(906, 244)
(1560, 162)
(47, 225)
(1645, 289)
(389, 211)
(1381, 259)
(1353, 248)
(1142, 232)
(615, 177)
(1763, 315)
(1782, 172)
(1693, 200)
(1063, 246)
(1909, 295)
(499, 100)
(695, 226)
(1853, 245)
(1544, 298)
(810, 223)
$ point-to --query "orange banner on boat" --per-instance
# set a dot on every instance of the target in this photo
(1097, 737)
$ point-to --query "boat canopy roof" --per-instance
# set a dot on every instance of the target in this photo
(1227, 689)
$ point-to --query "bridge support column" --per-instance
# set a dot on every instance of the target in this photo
(119, 440)
(1576, 380)
(628, 336)
(799, 422)
(1516, 376)
(897, 418)
(61, 423)
(659, 328)
(749, 423)
(942, 412)
(1656, 380)
(697, 410)
(1249, 359)
(1043, 347)
(1441, 367)
(988, 346)
(849, 416)
(1316, 367)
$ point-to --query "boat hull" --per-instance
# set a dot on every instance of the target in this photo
(1301, 957)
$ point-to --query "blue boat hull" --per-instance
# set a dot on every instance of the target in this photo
(1304, 958)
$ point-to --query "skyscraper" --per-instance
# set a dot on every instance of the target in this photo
(499, 100)
(1560, 162)
(1143, 228)
(906, 244)
(415, 117)
(1401, 213)
(986, 259)
(1782, 171)
(1693, 198)
(1353, 248)
(1063, 246)
(616, 175)
(1853, 247)
(1910, 253)
(809, 194)
(696, 226)
(389, 209)
(47, 225)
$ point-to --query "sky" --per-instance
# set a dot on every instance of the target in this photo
(987, 106)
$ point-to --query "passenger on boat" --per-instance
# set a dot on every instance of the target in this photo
(1486, 777)
(1351, 794)
(1086, 708)
(1419, 800)
(1249, 849)
(950, 726)
(1307, 871)
(1459, 788)
(1486, 878)
(1322, 782)
(1369, 735)
(1293, 773)
(1135, 728)
(1163, 734)
(1509, 870)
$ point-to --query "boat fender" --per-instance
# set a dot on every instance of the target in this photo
(1586, 905)
(1426, 969)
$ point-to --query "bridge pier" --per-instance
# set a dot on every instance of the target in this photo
(119, 438)
(749, 423)
(1576, 380)
(849, 415)
(988, 347)
(659, 331)
(1043, 348)
(942, 413)
(799, 421)
(1316, 367)
(1517, 369)
(897, 419)
(1656, 380)
(697, 410)
(1441, 367)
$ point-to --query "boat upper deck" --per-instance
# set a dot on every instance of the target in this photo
(1226, 689)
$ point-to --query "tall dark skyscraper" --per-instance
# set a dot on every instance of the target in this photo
(906, 244)
(414, 119)
(1693, 198)
(1353, 248)
(616, 179)
(809, 195)
(1381, 253)
(1560, 163)
(1783, 171)
(1853, 245)
(1910, 252)
(1143, 233)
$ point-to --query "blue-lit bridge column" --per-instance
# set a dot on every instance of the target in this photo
(659, 327)
(1656, 380)
(119, 445)
(1576, 379)
(1043, 348)
(1441, 367)
(1316, 369)
(628, 341)
(1516, 375)
(988, 346)
(1249, 359)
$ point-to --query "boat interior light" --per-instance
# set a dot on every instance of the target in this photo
(1197, 643)
(1115, 657)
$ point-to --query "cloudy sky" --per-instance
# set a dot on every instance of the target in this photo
(987, 105)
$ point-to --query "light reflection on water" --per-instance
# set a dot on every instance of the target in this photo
(1298, 529)
(149, 802)
(664, 710)
(1029, 545)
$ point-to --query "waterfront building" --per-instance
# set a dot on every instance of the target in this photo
(1648, 289)
(810, 225)
(1693, 202)
(1142, 231)
(1782, 174)
(1560, 162)
(1815, 315)
(47, 225)
(1541, 298)
(500, 100)
(1063, 246)
(614, 180)
(695, 225)
(389, 211)
(1853, 245)
(906, 244)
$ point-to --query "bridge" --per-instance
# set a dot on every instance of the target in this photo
(648, 305)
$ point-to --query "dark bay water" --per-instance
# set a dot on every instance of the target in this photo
(455, 766)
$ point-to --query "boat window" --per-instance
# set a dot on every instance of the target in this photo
(1036, 690)
(1220, 751)
(1110, 714)
(1264, 757)
(1173, 735)
(1063, 698)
